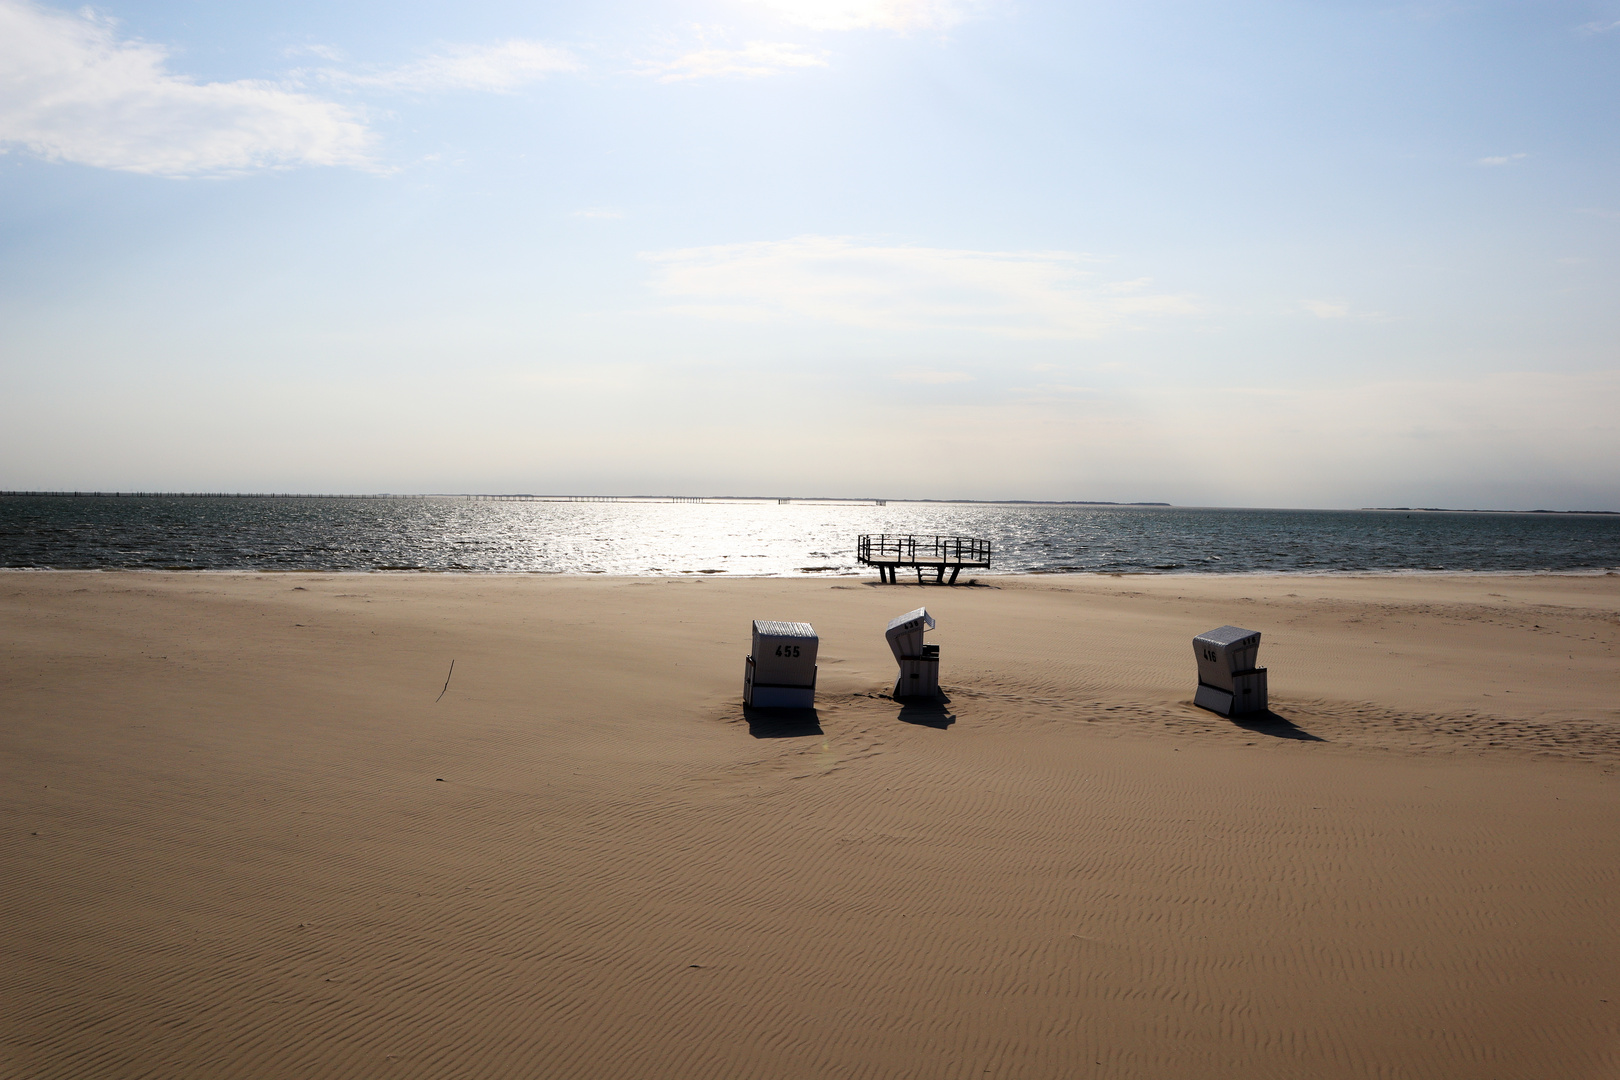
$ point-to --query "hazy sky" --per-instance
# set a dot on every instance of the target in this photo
(1302, 254)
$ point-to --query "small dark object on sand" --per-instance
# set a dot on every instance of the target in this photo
(452, 671)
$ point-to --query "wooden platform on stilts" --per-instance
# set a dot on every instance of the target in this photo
(890, 552)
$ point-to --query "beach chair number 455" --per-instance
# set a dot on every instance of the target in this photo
(787, 650)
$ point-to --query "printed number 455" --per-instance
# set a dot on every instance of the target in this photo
(787, 650)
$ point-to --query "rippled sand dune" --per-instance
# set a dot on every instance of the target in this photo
(245, 836)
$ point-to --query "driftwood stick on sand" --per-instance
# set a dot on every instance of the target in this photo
(452, 671)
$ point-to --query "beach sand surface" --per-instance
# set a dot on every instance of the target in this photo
(247, 831)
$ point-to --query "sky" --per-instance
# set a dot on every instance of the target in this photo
(1319, 254)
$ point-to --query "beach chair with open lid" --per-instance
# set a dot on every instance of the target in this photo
(919, 663)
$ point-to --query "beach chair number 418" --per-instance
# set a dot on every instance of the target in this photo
(787, 650)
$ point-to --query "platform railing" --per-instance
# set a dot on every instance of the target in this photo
(887, 551)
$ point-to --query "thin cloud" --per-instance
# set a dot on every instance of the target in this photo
(1050, 393)
(1505, 159)
(499, 68)
(1335, 310)
(71, 90)
(932, 378)
(900, 15)
(751, 61)
(324, 52)
(1042, 294)
(1606, 215)
(1600, 27)
(1327, 309)
(602, 213)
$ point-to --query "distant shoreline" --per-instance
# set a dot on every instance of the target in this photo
(1452, 510)
(530, 497)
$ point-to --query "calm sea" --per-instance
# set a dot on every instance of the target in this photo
(767, 538)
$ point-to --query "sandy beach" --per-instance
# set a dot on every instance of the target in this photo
(246, 836)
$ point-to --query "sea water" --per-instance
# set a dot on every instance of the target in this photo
(755, 538)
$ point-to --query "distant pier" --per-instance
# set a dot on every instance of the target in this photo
(470, 497)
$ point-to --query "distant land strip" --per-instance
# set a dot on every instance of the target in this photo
(524, 497)
(1451, 510)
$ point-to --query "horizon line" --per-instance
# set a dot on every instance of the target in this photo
(780, 499)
